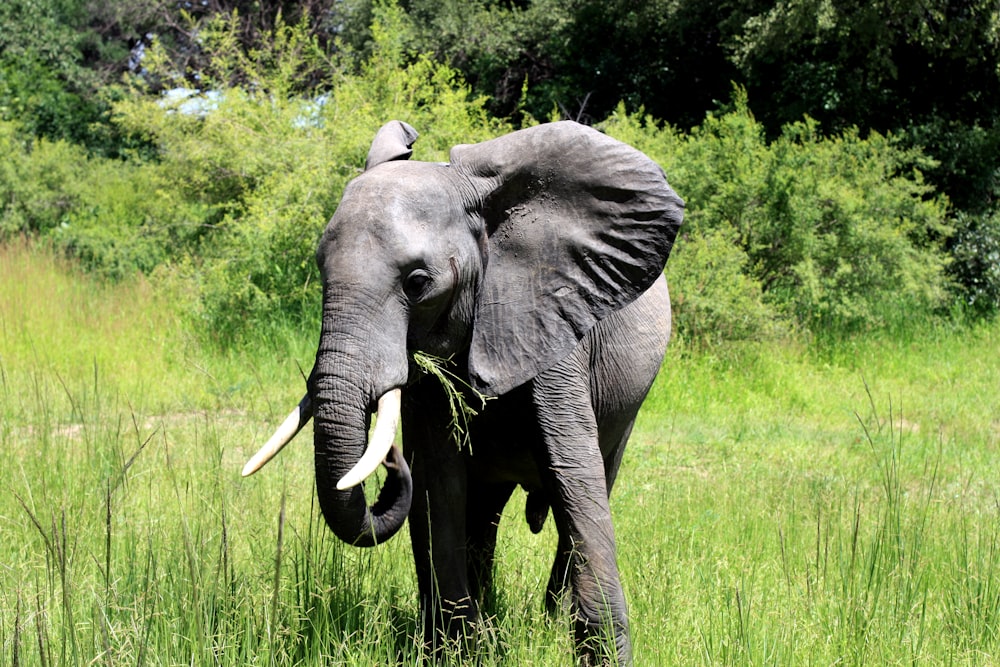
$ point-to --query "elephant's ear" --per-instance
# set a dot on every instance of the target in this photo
(578, 225)
(393, 141)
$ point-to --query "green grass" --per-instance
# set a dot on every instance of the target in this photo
(833, 503)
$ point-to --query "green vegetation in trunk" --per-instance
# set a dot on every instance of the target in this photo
(457, 392)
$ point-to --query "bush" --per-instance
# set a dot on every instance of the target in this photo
(40, 181)
(975, 267)
(47, 85)
(116, 217)
(265, 167)
(803, 231)
(130, 219)
(967, 161)
(714, 297)
(241, 178)
(837, 231)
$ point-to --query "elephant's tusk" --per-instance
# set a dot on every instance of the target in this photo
(380, 442)
(288, 429)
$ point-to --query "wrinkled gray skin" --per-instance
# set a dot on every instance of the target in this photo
(535, 261)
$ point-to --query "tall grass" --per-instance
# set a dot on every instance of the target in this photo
(127, 535)
(784, 505)
(819, 506)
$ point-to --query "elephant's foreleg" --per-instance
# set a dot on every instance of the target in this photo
(574, 472)
(438, 523)
(448, 608)
(485, 506)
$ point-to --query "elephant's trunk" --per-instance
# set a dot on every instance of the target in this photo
(341, 419)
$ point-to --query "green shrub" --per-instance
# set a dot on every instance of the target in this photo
(837, 231)
(50, 93)
(975, 263)
(802, 231)
(966, 154)
(117, 218)
(130, 219)
(714, 297)
(40, 181)
(265, 166)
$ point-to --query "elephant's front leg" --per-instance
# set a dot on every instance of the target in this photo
(573, 470)
(483, 512)
(437, 520)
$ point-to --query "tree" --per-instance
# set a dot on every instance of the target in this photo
(582, 57)
(928, 69)
(61, 60)
(661, 55)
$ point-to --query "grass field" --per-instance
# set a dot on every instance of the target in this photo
(786, 504)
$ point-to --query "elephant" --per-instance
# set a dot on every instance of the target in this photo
(534, 262)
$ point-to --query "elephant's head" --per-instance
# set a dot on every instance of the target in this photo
(503, 258)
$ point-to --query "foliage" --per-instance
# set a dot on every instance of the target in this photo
(456, 390)
(883, 63)
(130, 219)
(803, 231)
(40, 182)
(274, 56)
(918, 75)
(976, 261)
(116, 218)
(580, 57)
(233, 184)
(188, 35)
(32, 94)
(715, 297)
(265, 166)
(967, 168)
(60, 61)
(661, 55)
(244, 176)
(835, 231)
(500, 47)
(924, 68)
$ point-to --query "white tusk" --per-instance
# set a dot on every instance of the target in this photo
(379, 444)
(288, 429)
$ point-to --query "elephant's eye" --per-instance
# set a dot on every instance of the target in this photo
(416, 283)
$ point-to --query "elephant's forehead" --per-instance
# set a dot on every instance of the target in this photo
(394, 205)
(401, 191)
